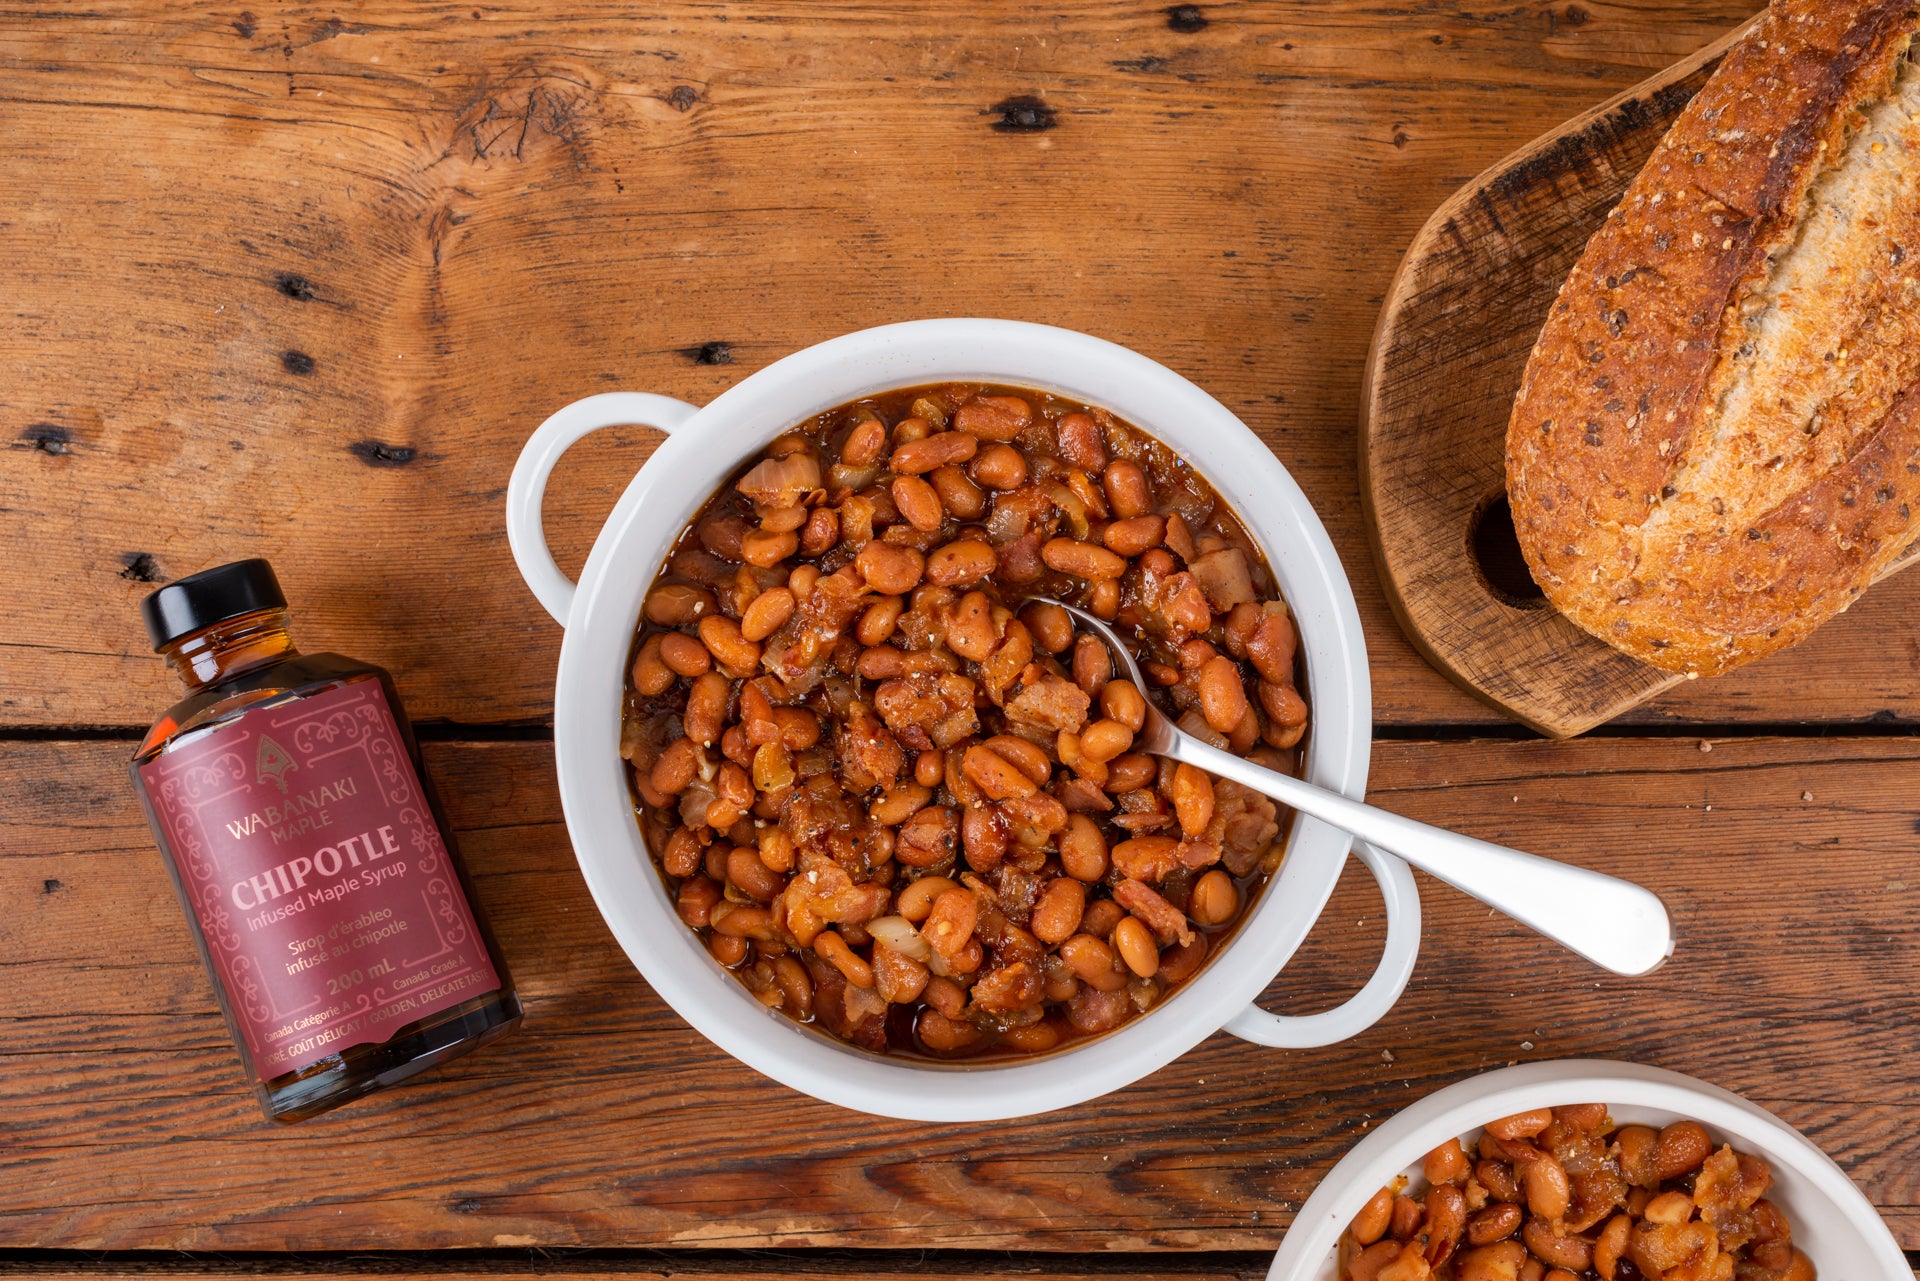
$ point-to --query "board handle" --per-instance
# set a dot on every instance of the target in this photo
(527, 488)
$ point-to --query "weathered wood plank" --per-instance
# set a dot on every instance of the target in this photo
(252, 261)
(606, 1121)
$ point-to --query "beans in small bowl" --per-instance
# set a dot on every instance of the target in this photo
(897, 797)
(1562, 1194)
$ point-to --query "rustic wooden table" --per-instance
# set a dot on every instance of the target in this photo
(296, 282)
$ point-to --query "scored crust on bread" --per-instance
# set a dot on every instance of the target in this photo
(1716, 445)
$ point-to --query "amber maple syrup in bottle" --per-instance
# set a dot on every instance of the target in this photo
(316, 868)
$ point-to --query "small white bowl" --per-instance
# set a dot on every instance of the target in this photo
(1837, 1226)
(705, 447)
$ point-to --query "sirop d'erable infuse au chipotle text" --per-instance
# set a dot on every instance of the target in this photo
(897, 797)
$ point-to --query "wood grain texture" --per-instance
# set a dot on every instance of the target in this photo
(299, 283)
(680, 1266)
(606, 1121)
(1452, 341)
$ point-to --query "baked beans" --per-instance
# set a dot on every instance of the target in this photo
(899, 799)
(1560, 1194)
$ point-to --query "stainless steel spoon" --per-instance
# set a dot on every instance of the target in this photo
(1613, 923)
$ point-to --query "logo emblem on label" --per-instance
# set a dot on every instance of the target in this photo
(273, 763)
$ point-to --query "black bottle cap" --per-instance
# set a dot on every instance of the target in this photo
(208, 597)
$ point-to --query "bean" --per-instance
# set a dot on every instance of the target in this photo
(1092, 665)
(767, 548)
(744, 921)
(908, 430)
(1283, 704)
(1500, 1261)
(1092, 963)
(1447, 1164)
(950, 924)
(651, 675)
(1583, 1116)
(1057, 912)
(1574, 1253)
(796, 986)
(1272, 648)
(1082, 560)
(1028, 757)
(1370, 1224)
(676, 604)
(1136, 945)
(878, 620)
(899, 803)
(946, 996)
(799, 728)
(929, 767)
(899, 979)
(1611, 1245)
(939, 450)
(751, 877)
(1103, 599)
(1105, 741)
(1126, 486)
(1375, 1259)
(767, 614)
(1495, 1223)
(965, 560)
(1052, 626)
(695, 900)
(729, 648)
(1134, 535)
(1178, 964)
(782, 520)
(1446, 1218)
(726, 949)
(684, 655)
(1034, 1038)
(993, 417)
(1498, 1179)
(916, 900)
(834, 950)
(1120, 701)
(1192, 799)
(1215, 899)
(970, 631)
(939, 1034)
(918, 503)
(864, 442)
(1637, 1145)
(1406, 1218)
(1669, 1209)
(1521, 1125)
(893, 571)
(1196, 654)
(1081, 441)
(1129, 772)
(960, 496)
(1102, 915)
(1000, 467)
(683, 854)
(984, 835)
(1548, 1192)
(1681, 1149)
(998, 777)
(675, 769)
(1223, 699)
(802, 581)
(1083, 850)
(776, 849)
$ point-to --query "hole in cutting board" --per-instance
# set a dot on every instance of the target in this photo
(1496, 554)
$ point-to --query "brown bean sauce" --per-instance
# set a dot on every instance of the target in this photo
(880, 788)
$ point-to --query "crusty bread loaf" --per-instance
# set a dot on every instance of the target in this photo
(1717, 443)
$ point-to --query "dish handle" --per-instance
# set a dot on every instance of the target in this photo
(528, 486)
(1371, 1003)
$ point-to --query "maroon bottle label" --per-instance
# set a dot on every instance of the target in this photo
(318, 875)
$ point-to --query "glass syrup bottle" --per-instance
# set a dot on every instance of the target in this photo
(316, 868)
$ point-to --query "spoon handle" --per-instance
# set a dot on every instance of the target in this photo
(1613, 923)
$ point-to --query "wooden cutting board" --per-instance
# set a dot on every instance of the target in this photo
(1448, 353)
